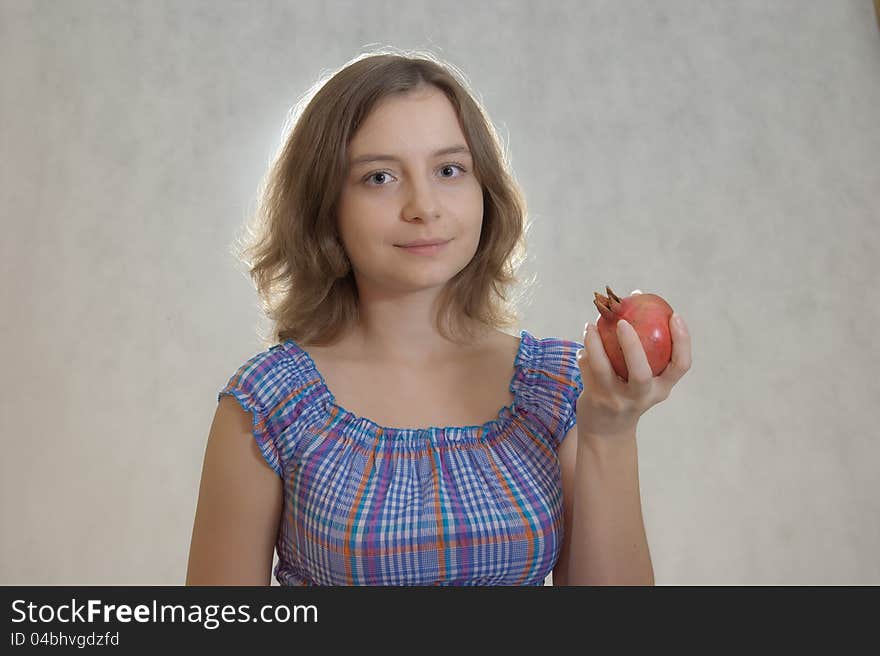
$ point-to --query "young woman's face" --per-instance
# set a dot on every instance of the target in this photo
(416, 194)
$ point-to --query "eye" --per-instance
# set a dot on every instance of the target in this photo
(456, 166)
(372, 176)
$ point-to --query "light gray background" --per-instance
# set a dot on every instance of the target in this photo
(723, 154)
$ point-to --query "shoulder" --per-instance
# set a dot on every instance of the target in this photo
(270, 378)
(263, 369)
(554, 358)
(276, 388)
(549, 383)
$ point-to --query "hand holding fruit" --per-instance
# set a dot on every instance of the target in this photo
(649, 314)
(630, 361)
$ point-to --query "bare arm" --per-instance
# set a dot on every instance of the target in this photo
(239, 507)
(608, 542)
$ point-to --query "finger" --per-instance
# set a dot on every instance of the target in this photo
(681, 353)
(638, 368)
(581, 354)
(635, 291)
(597, 359)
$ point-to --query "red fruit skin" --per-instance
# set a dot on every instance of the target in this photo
(649, 314)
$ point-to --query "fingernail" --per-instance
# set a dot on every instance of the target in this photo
(622, 322)
(678, 321)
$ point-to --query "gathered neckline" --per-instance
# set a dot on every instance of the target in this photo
(475, 430)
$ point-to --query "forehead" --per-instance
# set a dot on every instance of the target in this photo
(409, 124)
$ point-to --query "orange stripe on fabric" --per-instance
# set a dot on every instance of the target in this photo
(541, 444)
(530, 535)
(428, 546)
(559, 379)
(438, 517)
(312, 535)
(283, 402)
(349, 525)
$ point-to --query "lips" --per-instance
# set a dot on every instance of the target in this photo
(425, 242)
(425, 249)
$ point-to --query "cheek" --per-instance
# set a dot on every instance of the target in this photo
(475, 215)
(362, 241)
(478, 210)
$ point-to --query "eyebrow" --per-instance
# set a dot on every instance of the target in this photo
(361, 159)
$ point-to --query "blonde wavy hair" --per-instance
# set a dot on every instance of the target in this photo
(291, 245)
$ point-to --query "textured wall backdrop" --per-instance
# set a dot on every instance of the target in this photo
(724, 154)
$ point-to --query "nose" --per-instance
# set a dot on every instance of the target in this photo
(421, 202)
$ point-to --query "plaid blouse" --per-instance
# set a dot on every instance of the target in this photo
(372, 505)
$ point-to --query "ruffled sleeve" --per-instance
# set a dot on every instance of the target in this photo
(550, 384)
(268, 386)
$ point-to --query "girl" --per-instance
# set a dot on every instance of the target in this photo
(392, 434)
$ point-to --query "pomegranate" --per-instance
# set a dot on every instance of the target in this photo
(649, 314)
